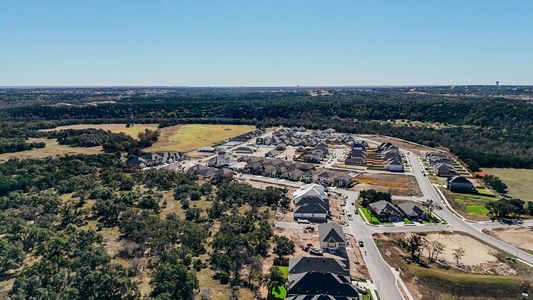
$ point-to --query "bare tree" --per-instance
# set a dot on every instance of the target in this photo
(458, 253)
(414, 245)
(434, 249)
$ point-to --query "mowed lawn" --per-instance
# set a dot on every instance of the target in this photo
(185, 138)
(52, 149)
(132, 131)
(519, 181)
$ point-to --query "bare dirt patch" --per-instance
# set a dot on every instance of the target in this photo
(399, 185)
(520, 237)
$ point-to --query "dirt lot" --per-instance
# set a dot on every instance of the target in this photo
(487, 276)
(521, 237)
(475, 252)
(399, 185)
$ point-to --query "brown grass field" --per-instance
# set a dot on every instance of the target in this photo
(52, 149)
(519, 181)
(132, 131)
(185, 138)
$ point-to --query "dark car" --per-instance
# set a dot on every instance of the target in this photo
(361, 244)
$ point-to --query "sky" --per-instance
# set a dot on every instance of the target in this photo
(265, 43)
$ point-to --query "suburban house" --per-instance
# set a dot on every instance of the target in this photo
(206, 149)
(343, 181)
(156, 159)
(319, 264)
(460, 184)
(310, 190)
(394, 165)
(209, 172)
(311, 203)
(325, 178)
(222, 159)
(386, 211)
(357, 156)
(412, 211)
(331, 237)
(319, 285)
(313, 212)
(245, 149)
(444, 170)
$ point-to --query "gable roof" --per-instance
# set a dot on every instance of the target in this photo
(383, 206)
(311, 190)
(318, 264)
(410, 208)
(330, 231)
(311, 208)
(315, 283)
(459, 179)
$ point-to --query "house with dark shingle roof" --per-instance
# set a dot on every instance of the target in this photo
(460, 184)
(319, 264)
(316, 285)
(386, 211)
(412, 211)
(331, 236)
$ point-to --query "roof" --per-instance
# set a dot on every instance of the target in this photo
(383, 206)
(410, 208)
(311, 208)
(459, 179)
(318, 264)
(330, 231)
(315, 283)
(310, 190)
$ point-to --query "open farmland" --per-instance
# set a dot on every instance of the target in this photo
(519, 181)
(132, 131)
(185, 138)
(52, 149)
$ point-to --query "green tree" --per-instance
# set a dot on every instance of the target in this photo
(283, 246)
(173, 281)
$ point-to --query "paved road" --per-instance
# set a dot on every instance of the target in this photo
(380, 272)
(455, 221)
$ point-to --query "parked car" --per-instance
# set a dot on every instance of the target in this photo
(316, 251)
(361, 244)
(350, 218)
(303, 221)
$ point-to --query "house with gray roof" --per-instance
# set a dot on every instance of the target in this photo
(412, 211)
(386, 211)
(460, 184)
(331, 237)
(317, 285)
(319, 264)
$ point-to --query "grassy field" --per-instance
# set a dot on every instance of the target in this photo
(519, 181)
(469, 205)
(52, 149)
(185, 138)
(132, 131)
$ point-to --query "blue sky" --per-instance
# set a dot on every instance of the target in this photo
(265, 43)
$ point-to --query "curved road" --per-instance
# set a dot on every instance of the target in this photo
(459, 224)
